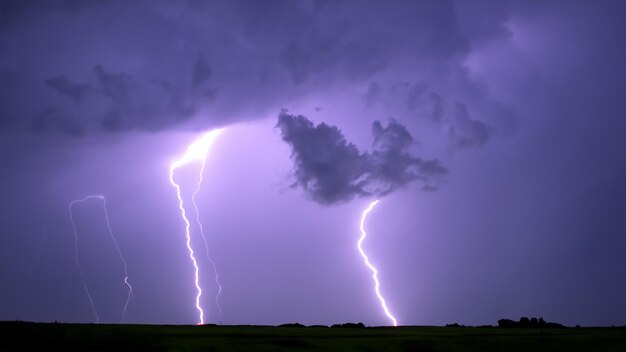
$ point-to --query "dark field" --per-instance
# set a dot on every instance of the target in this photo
(39, 336)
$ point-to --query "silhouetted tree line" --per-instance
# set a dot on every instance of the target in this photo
(349, 325)
(457, 325)
(524, 322)
(346, 325)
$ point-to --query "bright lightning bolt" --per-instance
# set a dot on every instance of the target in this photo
(196, 152)
(383, 304)
(119, 252)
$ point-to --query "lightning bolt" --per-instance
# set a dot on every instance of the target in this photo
(119, 252)
(383, 304)
(206, 244)
(196, 152)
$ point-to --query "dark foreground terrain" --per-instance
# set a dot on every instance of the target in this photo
(39, 336)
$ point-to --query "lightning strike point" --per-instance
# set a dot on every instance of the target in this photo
(196, 152)
(383, 304)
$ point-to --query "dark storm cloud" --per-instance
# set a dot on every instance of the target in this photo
(131, 100)
(461, 130)
(465, 132)
(124, 102)
(160, 64)
(72, 90)
(201, 71)
(326, 166)
(332, 170)
(394, 165)
(16, 11)
(393, 138)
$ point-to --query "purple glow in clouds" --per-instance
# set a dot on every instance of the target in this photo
(119, 252)
(383, 304)
(196, 152)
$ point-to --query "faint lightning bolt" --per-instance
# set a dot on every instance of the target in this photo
(196, 152)
(206, 244)
(383, 304)
(119, 252)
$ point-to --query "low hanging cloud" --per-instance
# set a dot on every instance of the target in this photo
(161, 64)
(122, 101)
(460, 128)
(65, 87)
(465, 132)
(332, 170)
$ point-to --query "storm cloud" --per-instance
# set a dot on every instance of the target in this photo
(465, 132)
(332, 170)
(120, 101)
(165, 65)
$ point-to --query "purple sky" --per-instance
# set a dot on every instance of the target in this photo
(492, 131)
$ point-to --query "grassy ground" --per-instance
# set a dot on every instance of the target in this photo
(85, 337)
